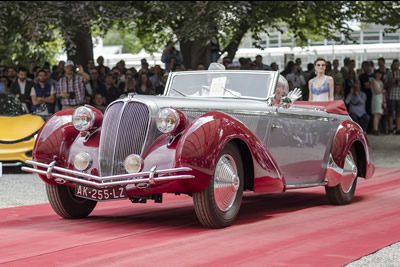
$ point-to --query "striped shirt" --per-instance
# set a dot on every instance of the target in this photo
(72, 84)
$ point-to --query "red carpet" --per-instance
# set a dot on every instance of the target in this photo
(297, 228)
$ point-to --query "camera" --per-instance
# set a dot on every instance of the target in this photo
(77, 69)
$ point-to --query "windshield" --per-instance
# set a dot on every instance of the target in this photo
(234, 84)
(10, 106)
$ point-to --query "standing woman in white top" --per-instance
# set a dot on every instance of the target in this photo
(321, 87)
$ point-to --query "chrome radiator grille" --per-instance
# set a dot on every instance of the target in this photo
(123, 132)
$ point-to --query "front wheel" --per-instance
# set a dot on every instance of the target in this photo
(219, 203)
(343, 193)
(66, 204)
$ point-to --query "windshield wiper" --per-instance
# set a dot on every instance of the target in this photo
(179, 92)
(229, 91)
(225, 90)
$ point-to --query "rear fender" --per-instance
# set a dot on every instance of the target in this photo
(202, 142)
(347, 135)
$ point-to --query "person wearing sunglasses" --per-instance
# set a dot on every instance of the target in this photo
(321, 87)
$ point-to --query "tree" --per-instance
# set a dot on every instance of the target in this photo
(195, 23)
(120, 35)
(37, 23)
(30, 28)
(380, 12)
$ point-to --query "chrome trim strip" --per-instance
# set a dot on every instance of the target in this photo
(116, 139)
(334, 173)
(109, 180)
(305, 185)
(227, 111)
(80, 181)
(11, 164)
(332, 165)
(98, 178)
(305, 113)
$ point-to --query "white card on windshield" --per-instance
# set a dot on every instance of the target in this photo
(217, 86)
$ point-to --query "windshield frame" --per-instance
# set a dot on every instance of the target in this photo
(271, 92)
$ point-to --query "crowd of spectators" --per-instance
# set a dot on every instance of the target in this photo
(371, 94)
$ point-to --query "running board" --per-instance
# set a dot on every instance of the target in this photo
(297, 186)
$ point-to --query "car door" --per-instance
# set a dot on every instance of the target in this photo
(299, 139)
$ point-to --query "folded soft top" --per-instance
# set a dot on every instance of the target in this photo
(336, 106)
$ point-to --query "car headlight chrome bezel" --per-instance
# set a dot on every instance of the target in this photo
(170, 120)
(82, 161)
(83, 118)
(133, 163)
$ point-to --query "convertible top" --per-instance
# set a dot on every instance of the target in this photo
(336, 106)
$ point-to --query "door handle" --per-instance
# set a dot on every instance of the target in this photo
(276, 126)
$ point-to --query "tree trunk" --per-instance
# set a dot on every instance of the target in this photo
(195, 52)
(233, 46)
(84, 47)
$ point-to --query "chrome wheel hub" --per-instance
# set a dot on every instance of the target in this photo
(226, 182)
(349, 173)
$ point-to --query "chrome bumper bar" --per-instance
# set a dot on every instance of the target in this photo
(11, 164)
(107, 181)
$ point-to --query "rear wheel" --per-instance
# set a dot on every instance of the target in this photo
(66, 204)
(343, 193)
(219, 203)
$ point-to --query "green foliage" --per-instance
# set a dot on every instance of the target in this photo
(230, 20)
(38, 28)
(118, 35)
(380, 12)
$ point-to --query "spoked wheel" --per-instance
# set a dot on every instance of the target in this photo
(66, 204)
(343, 193)
(219, 203)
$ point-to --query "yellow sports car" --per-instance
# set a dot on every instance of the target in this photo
(18, 130)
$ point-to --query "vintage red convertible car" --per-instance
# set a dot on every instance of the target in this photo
(212, 135)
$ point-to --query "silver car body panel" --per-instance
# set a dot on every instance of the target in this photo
(295, 137)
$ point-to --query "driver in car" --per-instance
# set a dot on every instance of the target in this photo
(282, 94)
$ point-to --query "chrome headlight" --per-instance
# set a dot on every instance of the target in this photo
(133, 163)
(82, 161)
(170, 121)
(83, 118)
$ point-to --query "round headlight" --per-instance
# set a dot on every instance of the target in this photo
(82, 161)
(133, 163)
(170, 121)
(83, 118)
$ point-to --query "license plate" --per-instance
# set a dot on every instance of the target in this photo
(101, 194)
(1, 169)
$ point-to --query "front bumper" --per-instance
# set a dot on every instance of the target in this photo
(141, 179)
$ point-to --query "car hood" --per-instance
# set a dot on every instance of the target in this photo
(205, 103)
(19, 127)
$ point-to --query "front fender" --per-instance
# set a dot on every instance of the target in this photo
(347, 135)
(55, 139)
(202, 142)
